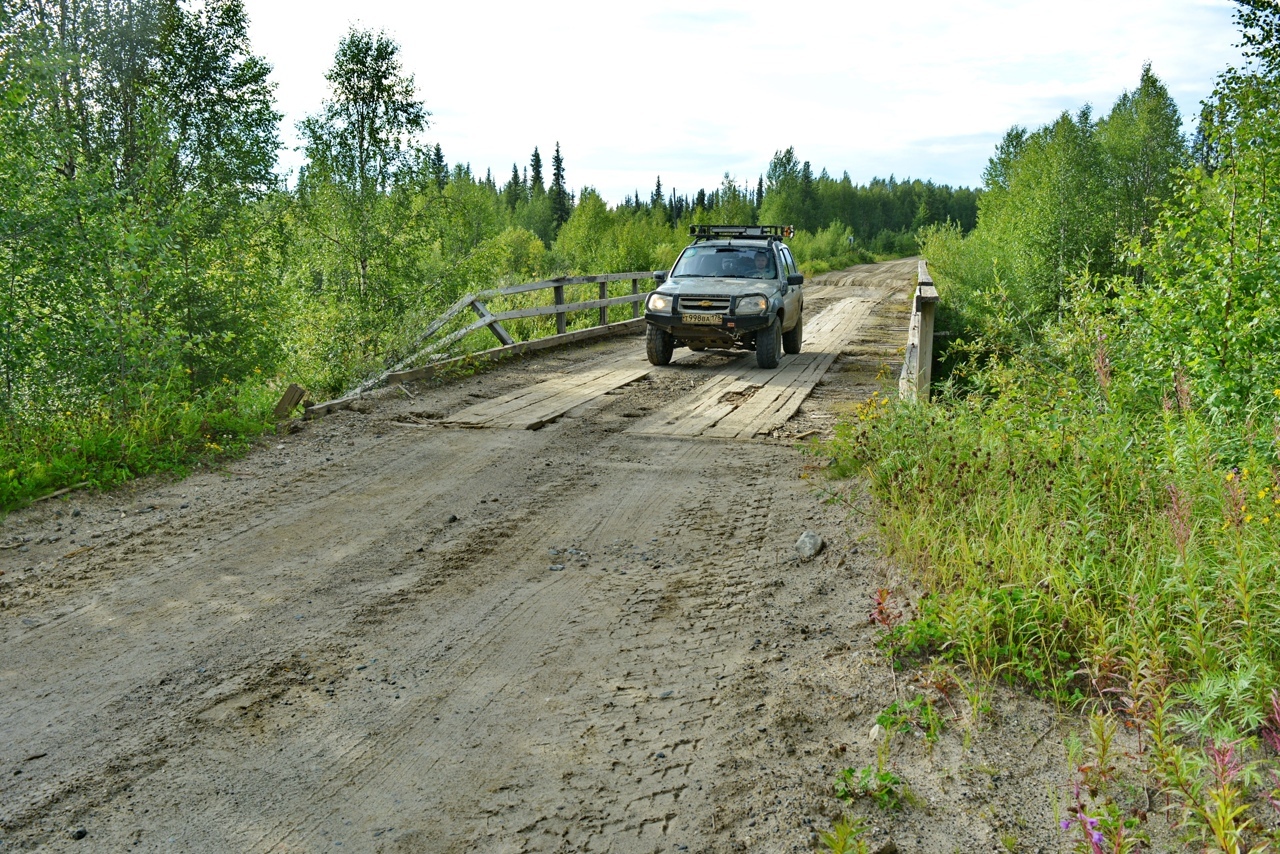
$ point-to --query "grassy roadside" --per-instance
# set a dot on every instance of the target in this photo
(160, 431)
(1115, 562)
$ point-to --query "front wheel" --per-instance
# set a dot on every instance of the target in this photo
(791, 340)
(658, 344)
(769, 345)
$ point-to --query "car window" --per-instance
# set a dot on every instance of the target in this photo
(788, 261)
(740, 262)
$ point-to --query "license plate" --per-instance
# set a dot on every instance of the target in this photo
(706, 319)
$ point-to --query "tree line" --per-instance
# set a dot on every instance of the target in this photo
(158, 276)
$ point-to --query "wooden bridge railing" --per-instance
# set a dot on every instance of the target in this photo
(917, 367)
(426, 349)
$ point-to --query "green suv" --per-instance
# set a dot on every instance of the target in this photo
(734, 286)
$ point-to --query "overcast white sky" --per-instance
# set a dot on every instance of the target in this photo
(691, 90)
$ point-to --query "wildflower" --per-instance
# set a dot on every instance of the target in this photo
(1276, 392)
(1231, 476)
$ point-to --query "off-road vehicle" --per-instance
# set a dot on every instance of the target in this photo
(734, 286)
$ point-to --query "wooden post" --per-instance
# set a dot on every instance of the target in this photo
(561, 326)
(926, 305)
(289, 401)
(635, 292)
(604, 309)
(495, 327)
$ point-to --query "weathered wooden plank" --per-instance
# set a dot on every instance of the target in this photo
(535, 417)
(539, 405)
(586, 305)
(289, 401)
(328, 406)
(773, 406)
(571, 280)
(778, 393)
(504, 338)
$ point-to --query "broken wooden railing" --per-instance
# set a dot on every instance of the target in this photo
(917, 367)
(431, 351)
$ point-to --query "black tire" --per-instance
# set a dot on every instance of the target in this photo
(658, 344)
(792, 340)
(769, 345)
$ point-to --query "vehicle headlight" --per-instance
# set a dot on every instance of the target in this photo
(660, 303)
(753, 305)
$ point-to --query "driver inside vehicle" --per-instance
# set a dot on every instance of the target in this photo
(764, 266)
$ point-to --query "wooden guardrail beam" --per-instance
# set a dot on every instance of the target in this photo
(493, 321)
(917, 367)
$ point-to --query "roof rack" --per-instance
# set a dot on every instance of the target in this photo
(757, 232)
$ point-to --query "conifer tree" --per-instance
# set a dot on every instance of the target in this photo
(560, 205)
(439, 169)
(536, 187)
(514, 191)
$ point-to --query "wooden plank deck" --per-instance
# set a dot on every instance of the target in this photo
(741, 402)
(748, 402)
(538, 405)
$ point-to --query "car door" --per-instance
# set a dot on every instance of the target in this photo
(793, 297)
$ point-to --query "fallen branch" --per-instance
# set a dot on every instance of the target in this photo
(71, 488)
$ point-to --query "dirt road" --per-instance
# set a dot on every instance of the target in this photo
(419, 627)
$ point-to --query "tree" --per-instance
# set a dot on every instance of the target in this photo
(514, 190)
(437, 167)
(536, 187)
(784, 197)
(358, 147)
(219, 101)
(1143, 148)
(560, 205)
(1208, 305)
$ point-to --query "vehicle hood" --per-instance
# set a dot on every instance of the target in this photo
(719, 287)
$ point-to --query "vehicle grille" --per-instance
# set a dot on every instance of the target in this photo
(706, 305)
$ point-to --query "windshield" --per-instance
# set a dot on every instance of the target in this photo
(738, 262)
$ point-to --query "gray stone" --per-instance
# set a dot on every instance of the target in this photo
(556, 567)
(809, 545)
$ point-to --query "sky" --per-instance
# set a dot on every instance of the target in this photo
(689, 91)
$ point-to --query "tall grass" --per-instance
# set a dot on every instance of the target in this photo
(1107, 558)
(1063, 541)
(163, 428)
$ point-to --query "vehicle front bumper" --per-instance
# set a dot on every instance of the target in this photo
(730, 325)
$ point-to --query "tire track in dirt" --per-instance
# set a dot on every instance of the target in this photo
(570, 639)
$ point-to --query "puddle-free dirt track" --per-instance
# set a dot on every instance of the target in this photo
(389, 632)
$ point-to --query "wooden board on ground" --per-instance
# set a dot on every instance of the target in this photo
(751, 402)
(538, 405)
(739, 403)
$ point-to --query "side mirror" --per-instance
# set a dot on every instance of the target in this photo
(659, 276)
(795, 279)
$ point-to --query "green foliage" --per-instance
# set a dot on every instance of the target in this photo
(845, 837)
(917, 713)
(1092, 501)
(884, 787)
(1069, 203)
